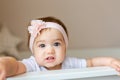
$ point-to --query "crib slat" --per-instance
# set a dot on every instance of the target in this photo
(66, 74)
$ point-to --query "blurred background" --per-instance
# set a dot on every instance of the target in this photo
(90, 23)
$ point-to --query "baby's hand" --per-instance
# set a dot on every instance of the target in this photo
(115, 63)
(104, 61)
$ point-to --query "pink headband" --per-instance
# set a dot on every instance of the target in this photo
(38, 25)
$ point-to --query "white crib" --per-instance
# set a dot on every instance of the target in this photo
(93, 73)
(75, 74)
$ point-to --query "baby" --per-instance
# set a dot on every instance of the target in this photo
(48, 42)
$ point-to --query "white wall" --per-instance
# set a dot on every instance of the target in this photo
(91, 23)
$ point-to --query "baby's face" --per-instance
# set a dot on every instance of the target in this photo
(49, 49)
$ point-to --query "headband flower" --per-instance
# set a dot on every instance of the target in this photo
(36, 26)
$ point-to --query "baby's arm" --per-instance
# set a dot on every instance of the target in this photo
(104, 61)
(9, 67)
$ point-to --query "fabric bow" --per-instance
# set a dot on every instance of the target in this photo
(36, 26)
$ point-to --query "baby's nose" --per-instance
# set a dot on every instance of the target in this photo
(50, 50)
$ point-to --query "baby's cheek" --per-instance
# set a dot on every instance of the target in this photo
(40, 62)
(61, 59)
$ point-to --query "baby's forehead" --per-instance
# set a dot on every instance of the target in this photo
(49, 36)
(45, 29)
(49, 30)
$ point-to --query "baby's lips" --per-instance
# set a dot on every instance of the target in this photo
(50, 57)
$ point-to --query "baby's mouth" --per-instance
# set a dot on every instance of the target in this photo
(50, 59)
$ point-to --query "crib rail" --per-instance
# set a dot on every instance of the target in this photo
(66, 74)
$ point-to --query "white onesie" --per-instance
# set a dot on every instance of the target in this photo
(69, 63)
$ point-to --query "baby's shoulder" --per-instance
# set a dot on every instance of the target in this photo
(73, 59)
(74, 62)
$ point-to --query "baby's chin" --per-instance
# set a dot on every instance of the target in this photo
(53, 66)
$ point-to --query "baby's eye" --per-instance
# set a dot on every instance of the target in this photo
(42, 45)
(57, 44)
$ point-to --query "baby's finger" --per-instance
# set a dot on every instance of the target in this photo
(2, 76)
(116, 66)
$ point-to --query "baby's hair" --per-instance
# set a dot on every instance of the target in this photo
(51, 19)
